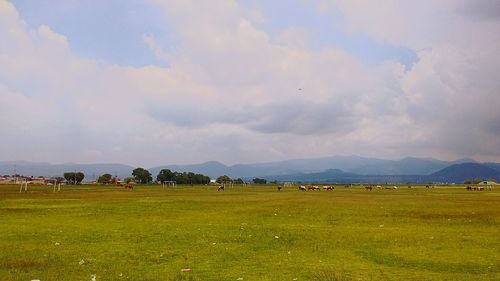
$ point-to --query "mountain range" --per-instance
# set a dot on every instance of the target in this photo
(343, 168)
(349, 164)
(36, 169)
(456, 173)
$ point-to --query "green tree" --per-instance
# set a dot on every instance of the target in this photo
(191, 178)
(165, 175)
(74, 178)
(259, 181)
(79, 177)
(223, 179)
(106, 178)
(238, 181)
(142, 175)
(180, 178)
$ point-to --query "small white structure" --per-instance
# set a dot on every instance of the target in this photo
(165, 184)
(57, 185)
(24, 184)
(487, 183)
(26, 181)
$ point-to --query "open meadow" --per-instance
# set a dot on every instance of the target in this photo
(92, 232)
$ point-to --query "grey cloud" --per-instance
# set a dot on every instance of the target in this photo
(199, 115)
(480, 9)
(304, 119)
(300, 118)
(467, 139)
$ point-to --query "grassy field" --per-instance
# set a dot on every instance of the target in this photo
(248, 233)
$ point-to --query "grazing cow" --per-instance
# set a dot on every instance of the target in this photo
(468, 188)
(379, 186)
(368, 188)
(128, 186)
(313, 187)
(394, 187)
(279, 187)
(409, 186)
(221, 187)
(327, 187)
(303, 188)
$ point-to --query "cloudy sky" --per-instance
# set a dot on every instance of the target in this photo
(184, 81)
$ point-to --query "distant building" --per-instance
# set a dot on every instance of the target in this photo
(40, 180)
(488, 183)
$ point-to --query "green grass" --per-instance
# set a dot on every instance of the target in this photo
(253, 233)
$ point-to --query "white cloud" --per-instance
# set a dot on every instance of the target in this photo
(452, 90)
(231, 92)
(150, 41)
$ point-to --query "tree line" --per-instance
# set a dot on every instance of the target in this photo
(226, 179)
(182, 178)
(143, 176)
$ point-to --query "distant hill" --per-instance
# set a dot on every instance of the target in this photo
(338, 168)
(91, 171)
(494, 166)
(349, 164)
(338, 176)
(330, 175)
(405, 166)
(458, 173)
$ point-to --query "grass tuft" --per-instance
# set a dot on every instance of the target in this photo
(331, 275)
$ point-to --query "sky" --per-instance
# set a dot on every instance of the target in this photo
(151, 82)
